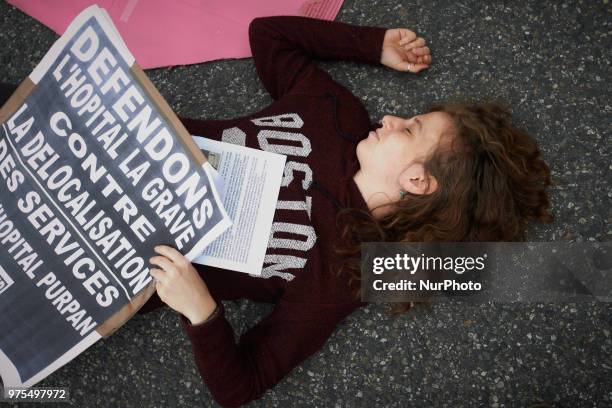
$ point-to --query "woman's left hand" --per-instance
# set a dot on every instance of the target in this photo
(404, 51)
(179, 285)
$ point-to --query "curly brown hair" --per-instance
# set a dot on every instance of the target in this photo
(492, 182)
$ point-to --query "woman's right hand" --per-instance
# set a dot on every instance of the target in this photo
(403, 51)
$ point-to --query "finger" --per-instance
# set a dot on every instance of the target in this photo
(159, 288)
(157, 274)
(411, 67)
(170, 253)
(406, 36)
(164, 263)
(419, 42)
(425, 59)
(418, 68)
(421, 51)
(404, 66)
(407, 56)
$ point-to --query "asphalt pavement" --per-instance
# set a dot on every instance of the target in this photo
(549, 61)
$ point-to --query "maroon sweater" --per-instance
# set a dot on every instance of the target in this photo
(317, 123)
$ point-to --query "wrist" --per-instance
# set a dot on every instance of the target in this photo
(388, 43)
(202, 312)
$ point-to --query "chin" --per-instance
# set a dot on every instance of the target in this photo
(361, 151)
(360, 155)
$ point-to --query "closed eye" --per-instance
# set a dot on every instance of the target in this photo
(408, 130)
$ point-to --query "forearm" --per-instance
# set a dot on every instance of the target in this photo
(322, 39)
(239, 372)
(285, 48)
(228, 371)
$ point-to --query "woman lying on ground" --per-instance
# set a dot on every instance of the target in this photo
(458, 172)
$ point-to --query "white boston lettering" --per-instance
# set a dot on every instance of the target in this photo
(281, 263)
(234, 136)
(286, 120)
(304, 230)
(295, 205)
(290, 166)
(296, 144)
(290, 150)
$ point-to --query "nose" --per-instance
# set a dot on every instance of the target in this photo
(388, 122)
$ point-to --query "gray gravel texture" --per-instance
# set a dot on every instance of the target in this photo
(550, 61)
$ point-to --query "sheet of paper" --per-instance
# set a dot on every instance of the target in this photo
(251, 182)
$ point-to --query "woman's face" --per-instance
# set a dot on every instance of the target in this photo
(391, 157)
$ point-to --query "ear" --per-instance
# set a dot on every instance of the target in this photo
(415, 180)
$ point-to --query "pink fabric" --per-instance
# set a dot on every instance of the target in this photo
(162, 33)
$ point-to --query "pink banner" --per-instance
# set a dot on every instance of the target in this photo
(163, 33)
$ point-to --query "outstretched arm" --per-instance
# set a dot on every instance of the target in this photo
(285, 49)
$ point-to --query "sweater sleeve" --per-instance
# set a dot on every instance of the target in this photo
(239, 372)
(284, 49)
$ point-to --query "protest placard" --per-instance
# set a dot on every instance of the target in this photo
(95, 170)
